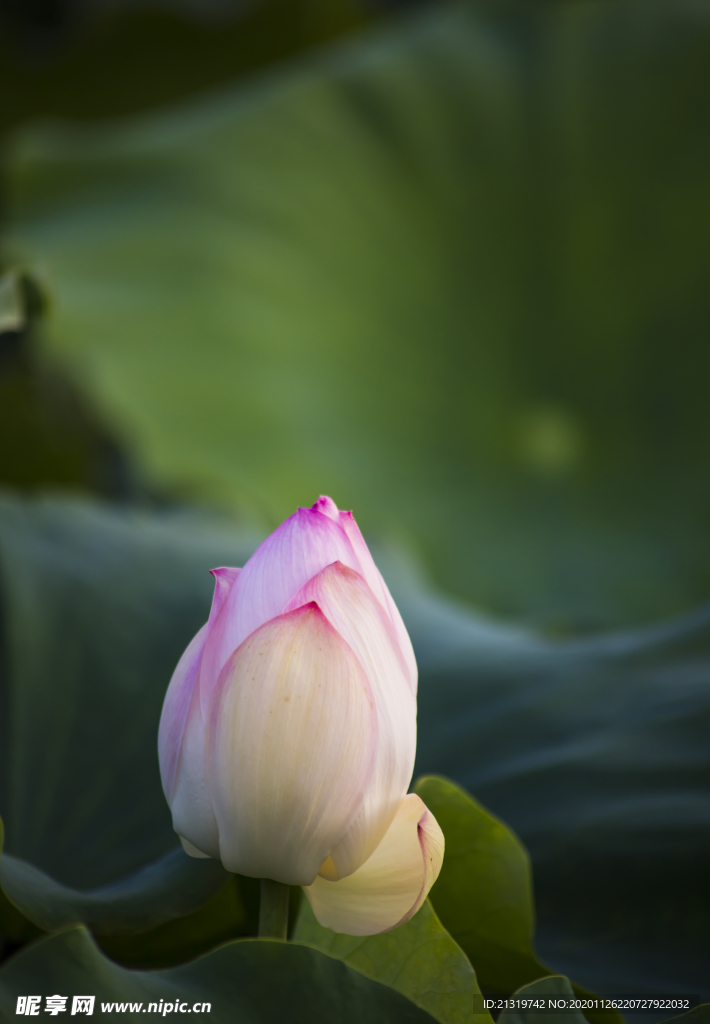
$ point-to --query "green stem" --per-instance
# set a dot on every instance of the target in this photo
(273, 910)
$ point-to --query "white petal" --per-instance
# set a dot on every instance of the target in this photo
(174, 713)
(293, 734)
(192, 851)
(350, 606)
(181, 740)
(191, 805)
(391, 886)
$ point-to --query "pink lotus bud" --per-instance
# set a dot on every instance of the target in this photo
(288, 733)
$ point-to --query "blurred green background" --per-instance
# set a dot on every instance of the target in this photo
(445, 262)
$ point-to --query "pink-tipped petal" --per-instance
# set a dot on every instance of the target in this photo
(350, 606)
(179, 693)
(392, 884)
(328, 507)
(377, 585)
(288, 558)
(175, 708)
(224, 579)
(293, 733)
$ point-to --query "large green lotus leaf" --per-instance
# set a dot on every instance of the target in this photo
(255, 981)
(223, 917)
(453, 273)
(483, 894)
(15, 929)
(97, 608)
(596, 753)
(419, 959)
(484, 891)
(167, 887)
(545, 988)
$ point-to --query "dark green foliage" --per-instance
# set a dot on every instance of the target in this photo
(420, 959)
(555, 985)
(491, 918)
(97, 606)
(120, 58)
(51, 435)
(484, 892)
(256, 981)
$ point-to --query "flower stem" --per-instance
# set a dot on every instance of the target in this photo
(273, 910)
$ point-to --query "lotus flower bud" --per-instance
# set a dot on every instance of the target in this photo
(288, 732)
